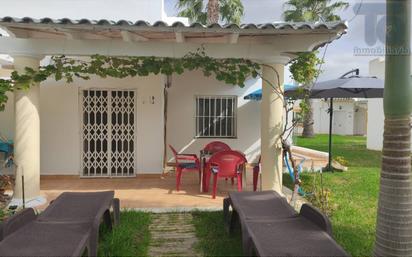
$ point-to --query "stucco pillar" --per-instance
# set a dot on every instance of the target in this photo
(271, 127)
(27, 137)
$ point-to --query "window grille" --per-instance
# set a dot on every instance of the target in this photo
(216, 116)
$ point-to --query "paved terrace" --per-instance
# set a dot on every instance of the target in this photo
(146, 191)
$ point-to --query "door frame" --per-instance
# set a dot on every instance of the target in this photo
(80, 114)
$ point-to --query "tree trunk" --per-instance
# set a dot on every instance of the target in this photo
(213, 11)
(308, 130)
(394, 223)
(394, 219)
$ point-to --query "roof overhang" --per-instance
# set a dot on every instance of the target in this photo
(264, 42)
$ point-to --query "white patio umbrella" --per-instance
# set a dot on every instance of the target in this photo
(353, 86)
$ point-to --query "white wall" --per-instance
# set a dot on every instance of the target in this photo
(376, 115)
(60, 123)
(320, 116)
(181, 121)
(375, 124)
(343, 116)
(360, 120)
(61, 131)
(375, 106)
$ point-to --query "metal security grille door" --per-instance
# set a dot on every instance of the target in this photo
(122, 111)
(108, 133)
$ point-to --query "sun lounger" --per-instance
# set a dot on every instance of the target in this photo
(271, 227)
(78, 214)
(290, 237)
(81, 206)
(36, 238)
(255, 206)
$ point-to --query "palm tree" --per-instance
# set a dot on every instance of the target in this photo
(213, 11)
(310, 11)
(192, 9)
(394, 219)
(313, 10)
(228, 11)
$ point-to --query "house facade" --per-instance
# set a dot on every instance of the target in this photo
(349, 116)
(66, 110)
(115, 127)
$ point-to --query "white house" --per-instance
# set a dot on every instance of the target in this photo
(375, 115)
(349, 116)
(114, 127)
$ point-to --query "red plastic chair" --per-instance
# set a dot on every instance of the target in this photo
(191, 163)
(226, 164)
(256, 172)
(216, 146)
(212, 148)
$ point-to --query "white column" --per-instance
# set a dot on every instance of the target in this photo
(271, 127)
(27, 137)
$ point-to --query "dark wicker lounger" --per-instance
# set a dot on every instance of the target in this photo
(271, 227)
(255, 206)
(81, 206)
(36, 238)
(81, 211)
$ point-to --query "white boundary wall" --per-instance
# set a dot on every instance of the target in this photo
(375, 106)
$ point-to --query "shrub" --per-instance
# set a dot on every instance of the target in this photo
(321, 197)
(342, 160)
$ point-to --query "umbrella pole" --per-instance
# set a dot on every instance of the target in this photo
(329, 167)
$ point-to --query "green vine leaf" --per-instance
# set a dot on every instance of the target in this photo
(234, 71)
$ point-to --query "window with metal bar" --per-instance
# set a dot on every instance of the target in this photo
(215, 116)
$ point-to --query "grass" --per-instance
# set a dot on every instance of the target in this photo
(130, 238)
(354, 192)
(212, 236)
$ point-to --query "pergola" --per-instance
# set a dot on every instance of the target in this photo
(272, 44)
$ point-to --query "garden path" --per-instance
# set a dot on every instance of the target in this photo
(172, 234)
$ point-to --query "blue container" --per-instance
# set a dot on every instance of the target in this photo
(6, 147)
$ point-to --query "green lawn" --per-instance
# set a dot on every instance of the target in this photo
(130, 238)
(355, 191)
(213, 238)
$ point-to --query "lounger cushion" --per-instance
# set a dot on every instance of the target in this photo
(261, 205)
(47, 239)
(77, 206)
(291, 237)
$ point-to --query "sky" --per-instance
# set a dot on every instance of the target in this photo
(340, 56)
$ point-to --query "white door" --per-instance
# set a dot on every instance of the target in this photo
(340, 122)
(108, 133)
